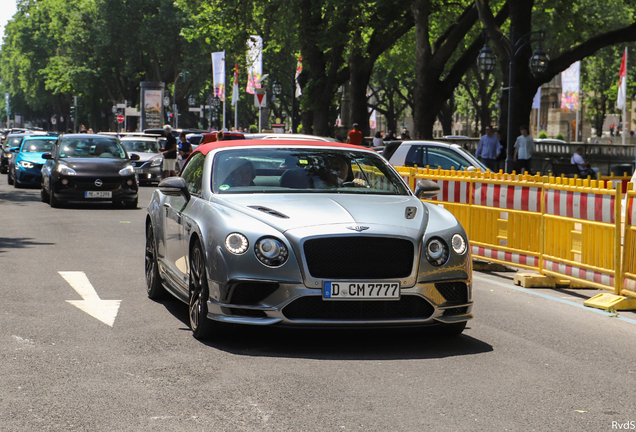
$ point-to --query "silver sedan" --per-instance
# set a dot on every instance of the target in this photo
(293, 233)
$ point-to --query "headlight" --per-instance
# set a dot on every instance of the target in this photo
(65, 170)
(436, 251)
(127, 170)
(26, 164)
(236, 243)
(271, 252)
(459, 244)
(156, 162)
(9, 156)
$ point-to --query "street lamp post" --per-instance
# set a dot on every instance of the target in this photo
(538, 64)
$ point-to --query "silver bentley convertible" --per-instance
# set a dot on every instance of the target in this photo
(312, 234)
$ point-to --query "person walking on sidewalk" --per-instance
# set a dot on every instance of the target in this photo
(169, 152)
(524, 146)
(488, 149)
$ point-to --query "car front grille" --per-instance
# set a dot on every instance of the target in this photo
(251, 293)
(108, 183)
(453, 292)
(138, 164)
(315, 308)
(359, 257)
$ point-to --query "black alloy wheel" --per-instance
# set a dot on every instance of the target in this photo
(154, 286)
(198, 310)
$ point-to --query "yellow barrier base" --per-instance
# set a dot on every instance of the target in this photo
(608, 301)
(484, 266)
(536, 280)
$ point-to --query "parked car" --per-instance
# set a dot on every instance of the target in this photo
(435, 155)
(304, 233)
(149, 166)
(26, 164)
(88, 167)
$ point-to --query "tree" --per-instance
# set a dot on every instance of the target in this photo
(573, 32)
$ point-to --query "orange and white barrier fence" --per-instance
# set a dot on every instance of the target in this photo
(566, 228)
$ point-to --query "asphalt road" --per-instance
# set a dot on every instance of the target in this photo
(530, 360)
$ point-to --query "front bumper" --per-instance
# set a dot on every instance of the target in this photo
(75, 188)
(149, 174)
(296, 305)
(29, 176)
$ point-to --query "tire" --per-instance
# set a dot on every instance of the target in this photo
(132, 204)
(53, 202)
(450, 330)
(9, 178)
(154, 286)
(202, 327)
(44, 196)
(4, 170)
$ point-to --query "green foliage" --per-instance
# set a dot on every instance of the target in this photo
(543, 135)
(253, 129)
(560, 137)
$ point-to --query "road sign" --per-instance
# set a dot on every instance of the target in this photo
(53, 120)
(260, 100)
(120, 118)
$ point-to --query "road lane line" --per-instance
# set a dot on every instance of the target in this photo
(549, 297)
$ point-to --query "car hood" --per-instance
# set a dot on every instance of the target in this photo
(293, 211)
(144, 156)
(35, 157)
(103, 166)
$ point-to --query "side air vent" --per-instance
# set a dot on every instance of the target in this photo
(269, 211)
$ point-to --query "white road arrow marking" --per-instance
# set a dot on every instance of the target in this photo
(103, 310)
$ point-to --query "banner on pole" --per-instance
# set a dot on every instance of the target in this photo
(299, 69)
(536, 102)
(570, 83)
(372, 120)
(235, 90)
(218, 74)
(622, 83)
(254, 63)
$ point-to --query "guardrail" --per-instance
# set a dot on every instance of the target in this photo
(563, 228)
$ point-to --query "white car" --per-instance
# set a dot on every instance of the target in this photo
(435, 155)
(300, 137)
(149, 166)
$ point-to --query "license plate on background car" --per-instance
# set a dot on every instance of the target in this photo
(361, 291)
(98, 194)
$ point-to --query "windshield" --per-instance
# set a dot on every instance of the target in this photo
(38, 145)
(91, 147)
(304, 171)
(12, 142)
(141, 146)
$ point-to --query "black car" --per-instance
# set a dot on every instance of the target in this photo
(87, 167)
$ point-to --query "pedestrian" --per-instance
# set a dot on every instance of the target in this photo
(501, 159)
(220, 136)
(377, 140)
(524, 146)
(488, 149)
(389, 136)
(355, 135)
(169, 152)
(405, 135)
(582, 164)
(184, 148)
(82, 129)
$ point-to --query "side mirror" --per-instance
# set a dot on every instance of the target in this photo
(47, 156)
(426, 189)
(134, 156)
(174, 186)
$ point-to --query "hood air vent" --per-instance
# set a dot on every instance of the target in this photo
(269, 211)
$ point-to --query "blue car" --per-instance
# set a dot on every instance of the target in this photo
(25, 168)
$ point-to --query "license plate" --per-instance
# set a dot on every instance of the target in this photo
(361, 291)
(98, 194)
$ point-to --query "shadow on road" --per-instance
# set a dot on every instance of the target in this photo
(335, 344)
(19, 243)
(20, 196)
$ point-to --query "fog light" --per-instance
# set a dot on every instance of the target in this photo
(64, 182)
(129, 182)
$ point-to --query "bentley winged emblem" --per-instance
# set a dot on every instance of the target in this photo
(358, 228)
